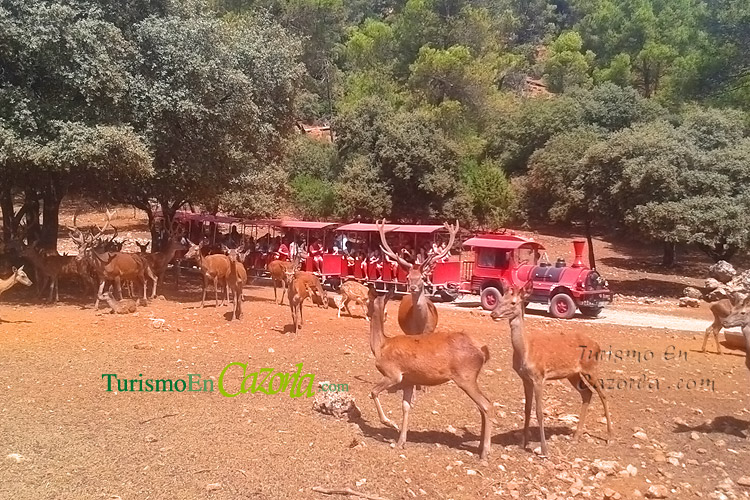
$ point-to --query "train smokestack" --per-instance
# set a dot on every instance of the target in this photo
(578, 246)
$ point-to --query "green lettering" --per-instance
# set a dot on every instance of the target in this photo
(149, 385)
(221, 380)
(297, 390)
(163, 383)
(259, 387)
(205, 383)
(190, 382)
(283, 379)
(109, 380)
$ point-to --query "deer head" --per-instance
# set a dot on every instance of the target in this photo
(417, 272)
(739, 315)
(20, 276)
(193, 252)
(142, 244)
(513, 303)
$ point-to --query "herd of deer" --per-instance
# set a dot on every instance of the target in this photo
(423, 356)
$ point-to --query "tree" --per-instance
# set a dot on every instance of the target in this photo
(492, 200)
(64, 78)
(214, 99)
(566, 65)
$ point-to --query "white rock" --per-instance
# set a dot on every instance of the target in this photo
(16, 457)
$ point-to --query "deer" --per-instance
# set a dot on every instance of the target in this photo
(278, 269)
(358, 293)
(111, 266)
(18, 276)
(214, 267)
(48, 269)
(159, 261)
(550, 356)
(406, 361)
(416, 313)
(740, 316)
(124, 306)
(720, 309)
(236, 279)
(300, 286)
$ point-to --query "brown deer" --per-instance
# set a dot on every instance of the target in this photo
(236, 279)
(353, 291)
(740, 316)
(159, 261)
(48, 269)
(550, 356)
(18, 276)
(406, 361)
(720, 309)
(124, 306)
(300, 286)
(278, 269)
(214, 267)
(416, 313)
(117, 267)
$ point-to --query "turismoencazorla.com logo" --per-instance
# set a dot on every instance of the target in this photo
(233, 380)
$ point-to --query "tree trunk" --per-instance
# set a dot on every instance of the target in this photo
(32, 215)
(52, 198)
(670, 254)
(590, 243)
(721, 251)
(6, 204)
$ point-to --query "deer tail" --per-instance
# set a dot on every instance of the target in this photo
(486, 352)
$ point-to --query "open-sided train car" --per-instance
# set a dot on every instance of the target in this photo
(491, 264)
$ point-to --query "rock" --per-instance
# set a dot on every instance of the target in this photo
(337, 404)
(641, 436)
(741, 282)
(609, 467)
(673, 461)
(744, 481)
(689, 302)
(657, 491)
(718, 294)
(712, 284)
(610, 494)
(151, 438)
(722, 271)
(15, 457)
(726, 485)
(695, 436)
(213, 487)
(692, 292)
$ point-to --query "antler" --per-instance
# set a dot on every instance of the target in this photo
(387, 249)
(106, 225)
(432, 259)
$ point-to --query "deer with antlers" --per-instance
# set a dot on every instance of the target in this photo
(215, 268)
(18, 276)
(48, 269)
(416, 313)
(109, 266)
(550, 356)
(302, 285)
(409, 360)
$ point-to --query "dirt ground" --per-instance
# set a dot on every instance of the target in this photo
(64, 436)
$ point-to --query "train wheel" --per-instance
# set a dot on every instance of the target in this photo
(490, 298)
(591, 312)
(562, 306)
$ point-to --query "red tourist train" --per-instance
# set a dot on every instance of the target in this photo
(486, 265)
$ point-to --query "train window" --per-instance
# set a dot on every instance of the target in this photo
(527, 256)
(493, 257)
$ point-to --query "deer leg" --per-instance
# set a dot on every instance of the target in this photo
(216, 290)
(101, 291)
(716, 339)
(205, 287)
(52, 283)
(284, 290)
(384, 384)
(408, 399)
(275, 298)
(577, 382)
(341, 304)
(592, 380)
(528, 390)
(471, 388)
(539, 400)
(713, 329)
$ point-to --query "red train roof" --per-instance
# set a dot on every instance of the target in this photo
(502, 241)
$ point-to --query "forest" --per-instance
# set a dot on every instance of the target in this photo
(609, 115)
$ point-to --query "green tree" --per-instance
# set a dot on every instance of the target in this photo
(492, 200)
(566, 65)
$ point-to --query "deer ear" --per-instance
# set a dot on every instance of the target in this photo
(14, 269)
